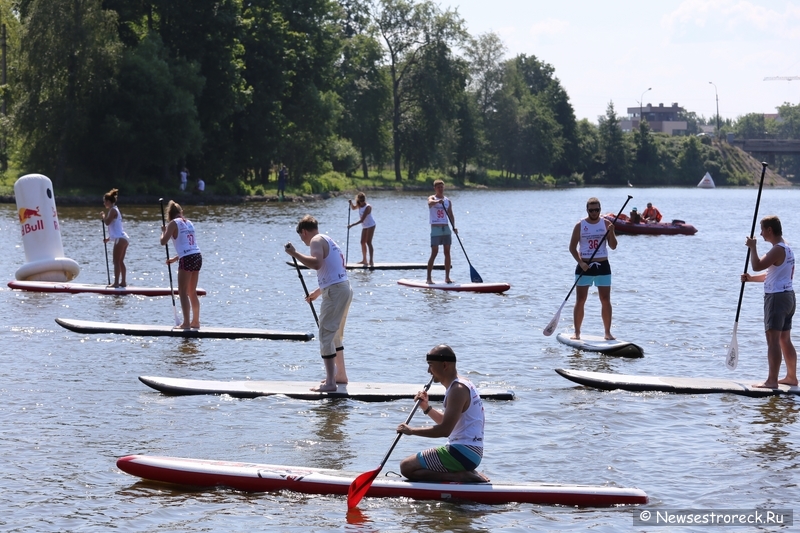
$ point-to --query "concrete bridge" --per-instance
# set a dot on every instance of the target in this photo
(771, 147)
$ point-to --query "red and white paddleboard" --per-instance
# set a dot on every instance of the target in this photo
(74, 288)
(264, 478)
(466, 287)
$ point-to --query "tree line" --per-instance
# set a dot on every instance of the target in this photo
(131, 91)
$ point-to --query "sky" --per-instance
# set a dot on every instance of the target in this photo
(614, 50)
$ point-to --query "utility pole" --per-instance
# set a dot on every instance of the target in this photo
(717, 95)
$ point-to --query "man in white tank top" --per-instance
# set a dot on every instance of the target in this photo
(328, 260)
(440, 216)
(462, 422)
(779, 300)
(590, 251)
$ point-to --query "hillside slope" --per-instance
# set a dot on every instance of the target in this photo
(737, 162)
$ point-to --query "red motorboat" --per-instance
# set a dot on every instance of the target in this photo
(624, 226)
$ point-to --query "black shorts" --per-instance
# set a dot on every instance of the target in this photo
(191, 263)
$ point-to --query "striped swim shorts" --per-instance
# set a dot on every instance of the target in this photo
(451, 458)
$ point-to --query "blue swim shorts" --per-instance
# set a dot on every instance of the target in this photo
(440, 236)
(451, 458)
(599, 274)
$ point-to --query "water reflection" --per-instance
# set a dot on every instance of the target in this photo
(331, 418)
(777, 412)
(189, 353)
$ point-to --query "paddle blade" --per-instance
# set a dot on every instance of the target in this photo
(732, 358)
(360, 486)
(474, 276)
(551, 327)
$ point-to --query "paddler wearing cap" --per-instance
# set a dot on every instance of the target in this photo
(461, 422)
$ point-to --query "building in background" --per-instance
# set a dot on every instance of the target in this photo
(661, 119)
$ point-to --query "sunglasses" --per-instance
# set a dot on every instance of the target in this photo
(593, 210)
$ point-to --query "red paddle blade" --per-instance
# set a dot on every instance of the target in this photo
(360, 486)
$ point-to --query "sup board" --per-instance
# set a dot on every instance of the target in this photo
(605, 381)
(468, 287)
(74, 288)
(254, 477)
(380, 266)
(365, 392)
(144, 330)
(593, 343)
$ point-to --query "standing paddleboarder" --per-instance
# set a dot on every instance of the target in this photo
(779, 300)
(585, 245)
(190, 261)
(462, 422)
(439, 209)
(328, 260)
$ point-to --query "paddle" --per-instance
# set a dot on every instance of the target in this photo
(473, 274)
(361, 484)
(169, 268)
(305, 289)
(551, 327)
(105, 245)
(347, 246)
(732, 358)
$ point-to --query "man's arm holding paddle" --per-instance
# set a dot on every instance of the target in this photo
(776, 256)
(317, 249)
(457, 402)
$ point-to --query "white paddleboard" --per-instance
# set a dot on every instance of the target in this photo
(594, 343)
(463, 287)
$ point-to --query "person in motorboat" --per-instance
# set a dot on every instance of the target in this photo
(651, 214)
(462, 422)
(635, 217)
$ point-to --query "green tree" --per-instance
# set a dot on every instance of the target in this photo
(67, 64)
(616, 166)
(751, 126)
(646, 161)
(433, 88)
(150, 119)
(407, 29)
(366, 96)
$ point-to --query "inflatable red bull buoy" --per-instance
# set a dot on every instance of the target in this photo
(41, 233)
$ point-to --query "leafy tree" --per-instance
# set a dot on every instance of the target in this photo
(432, 88)
(150, 119)
(408, 28)
(613, 148)
(646, 157)
(365, 95)
(751, 126)
(58, 84)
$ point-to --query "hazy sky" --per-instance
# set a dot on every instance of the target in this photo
(613, 50)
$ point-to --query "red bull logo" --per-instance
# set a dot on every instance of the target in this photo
(25, 214)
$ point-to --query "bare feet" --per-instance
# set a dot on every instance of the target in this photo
(576, 337)
(194, 326)
(473, 476)
(339, 381)
(183, 326)
(429, 281)
(123, 284)
(448, 280)
(361, 263)
(324, 388)
(787, 381)
(766, 385)
(610, 337)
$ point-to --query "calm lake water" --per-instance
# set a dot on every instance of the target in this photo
(71, 404)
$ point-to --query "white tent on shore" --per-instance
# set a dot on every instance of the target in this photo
(707, 182)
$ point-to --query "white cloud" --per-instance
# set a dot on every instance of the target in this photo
(733, 19)
(549, 27)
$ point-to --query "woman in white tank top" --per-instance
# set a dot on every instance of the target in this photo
(367, 229)
(181, 231)
(113, 219)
